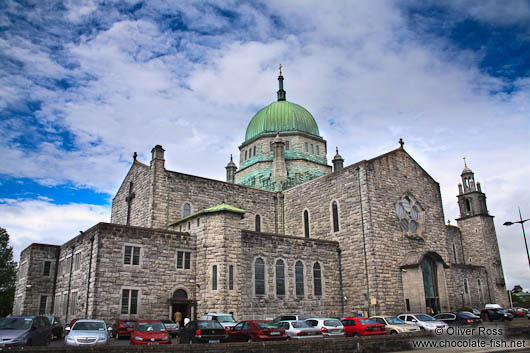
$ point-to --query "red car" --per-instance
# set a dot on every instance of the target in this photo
(150, 332)
(123, 328)
(358, 326)
(256, 330)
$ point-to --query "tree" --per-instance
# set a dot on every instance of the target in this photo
(8, 274)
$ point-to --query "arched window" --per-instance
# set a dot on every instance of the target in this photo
(280, 277)
(299, 278)
(259, 276)
(479, 284)
(454, 253)
(335, 215)
(468, 205)
(258, 223)
(317, 279)
(254, 151)
(214, 277)
(410, 216)
(306, 224)
(186, 210)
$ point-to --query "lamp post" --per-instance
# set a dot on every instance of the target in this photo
(521, 221)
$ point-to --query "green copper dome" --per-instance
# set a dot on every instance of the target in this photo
(281, 116)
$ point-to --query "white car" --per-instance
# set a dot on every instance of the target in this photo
(329, 327)
(424, 321)
(393, 325)
(87, 332)
(299, 330)
(226, 320)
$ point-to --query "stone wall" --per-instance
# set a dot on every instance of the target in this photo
(270, 248)
(476, 280)
(455, 245)
(32, 283)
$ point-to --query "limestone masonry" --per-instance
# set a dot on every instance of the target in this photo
(286, 233)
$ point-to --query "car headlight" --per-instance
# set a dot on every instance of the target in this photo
(138, 338)
(102, 338)
(70, 339)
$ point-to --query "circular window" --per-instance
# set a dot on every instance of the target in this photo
(410, 217)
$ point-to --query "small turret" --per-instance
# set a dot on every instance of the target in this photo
(338, 161)
(281, 92)
(471, 199)
(279, 168)
(230, 171)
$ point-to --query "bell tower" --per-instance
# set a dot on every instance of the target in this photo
(471, 199)
(479, 238)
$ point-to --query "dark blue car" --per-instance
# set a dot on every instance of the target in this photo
(25, 331)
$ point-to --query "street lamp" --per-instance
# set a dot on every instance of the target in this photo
(521, 221)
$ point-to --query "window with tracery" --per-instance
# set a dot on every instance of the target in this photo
(410, 215)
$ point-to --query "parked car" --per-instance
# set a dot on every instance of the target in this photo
(226, 320)
(87, 332)
(293, 317)
(393, 325)
(171, 327)
(458, 319)
(423, 321)
(358, 326)
(57, 327)
(297, 329)
(256, 330)
(519, 312)
(329, 327)
(69, 326)
(492, 314)
(123, 328)
(150, 332)
(203, 331)
(25, 331)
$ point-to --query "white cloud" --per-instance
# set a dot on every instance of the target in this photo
(39, 221)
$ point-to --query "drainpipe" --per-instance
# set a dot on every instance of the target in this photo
(57, 253)
(341, 288)
(167, 202)
(69, 285)
(364, 241)
(89, 273)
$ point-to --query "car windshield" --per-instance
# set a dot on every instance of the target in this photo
(300, 324)
(225, 318)
(150, 327)
(332, 323)
(367, 321)
(165, 322)
(209, 324)
(394, 321)
(129, 323)
(467, 315)
(15, 323)
(500, 311)
(88, 326)
(266, 325)
(425, 317)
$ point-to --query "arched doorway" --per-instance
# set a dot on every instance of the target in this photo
(181, 304)
(430, 285)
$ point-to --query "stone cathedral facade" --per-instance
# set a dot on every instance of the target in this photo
(285, 233)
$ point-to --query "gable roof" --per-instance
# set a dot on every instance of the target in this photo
(218, 208)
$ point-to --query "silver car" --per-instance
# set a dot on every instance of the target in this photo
(423, 321)
(329, 327)
(299, 330)
(87, 332)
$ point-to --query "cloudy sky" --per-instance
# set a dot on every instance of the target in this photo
(84, 84)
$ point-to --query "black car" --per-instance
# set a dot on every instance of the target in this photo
(203, 331)
(458, 319)
(495, 314)
(57, 327)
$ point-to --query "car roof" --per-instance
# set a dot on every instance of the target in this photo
(139, 321)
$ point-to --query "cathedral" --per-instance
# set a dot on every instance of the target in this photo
(285, 233)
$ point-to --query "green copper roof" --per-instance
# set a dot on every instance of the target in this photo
(218, 208)
(281, 116)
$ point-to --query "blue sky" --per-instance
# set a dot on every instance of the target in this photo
(84, 84)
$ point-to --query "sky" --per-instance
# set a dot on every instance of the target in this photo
(84, 84)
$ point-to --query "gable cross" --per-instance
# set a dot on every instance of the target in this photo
(129, 199)
(465, 164)
(401, 143)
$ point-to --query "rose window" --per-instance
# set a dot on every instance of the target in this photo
(410, 217)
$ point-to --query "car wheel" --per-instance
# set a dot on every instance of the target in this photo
(250, 340)
(355, 334)
(422, 328)
(29, 343)
(393, 332)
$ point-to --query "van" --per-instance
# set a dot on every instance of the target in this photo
(226, 320)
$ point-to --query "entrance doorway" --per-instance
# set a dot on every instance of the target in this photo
(430, 285)
(181, 304)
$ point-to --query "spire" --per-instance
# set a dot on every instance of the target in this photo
(231, 169)
(281, 92)
(338, 161)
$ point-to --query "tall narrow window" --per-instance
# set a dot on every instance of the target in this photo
(335, 212)
(312, 149)
(479, 284)
(280, 277)
(129, 301)
(230, 277)
(47, 267)
(259, 276)
(317, 279)
(306, 224)
(258, 223)
(77, 261)
(318, 149)
(186, 210)
(287, 145)
(299, 278)
(254, 151)
(42, 304)
(306, 147)
(468, 205)
(246, 155)
(454, 252)
(466, 289)
(214, 277)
